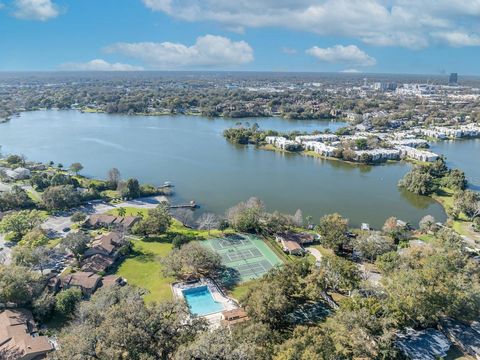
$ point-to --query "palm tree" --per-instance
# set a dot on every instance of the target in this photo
(121, 211)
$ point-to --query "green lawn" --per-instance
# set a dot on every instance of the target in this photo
(130, 211)
(239, 291)
(142, 268)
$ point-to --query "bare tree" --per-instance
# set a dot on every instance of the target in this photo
(114, 177)
(208, 221)
(185, 216)
(298, 218)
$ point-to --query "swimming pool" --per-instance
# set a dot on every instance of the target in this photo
(201, 301)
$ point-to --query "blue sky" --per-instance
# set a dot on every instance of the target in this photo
(395, 36)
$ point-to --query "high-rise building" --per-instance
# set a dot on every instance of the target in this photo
(453, 80)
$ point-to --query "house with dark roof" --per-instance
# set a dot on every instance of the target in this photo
(465, 336)
(97, 263)
(108, 221)
(292, 243)
(106, 245)
(427, 344)
(86, 281)
(18, 335)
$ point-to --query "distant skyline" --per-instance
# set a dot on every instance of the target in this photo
(371, 36)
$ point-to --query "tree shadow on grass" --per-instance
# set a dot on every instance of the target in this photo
(229, 277)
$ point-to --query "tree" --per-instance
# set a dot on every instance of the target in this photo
(113, 178)
(270, 299)
(419, 181)
(185, 216)
(116, 324)
(192, 260)
(67, 301)
(467, 202)
(34, 238)
(208, 221)
(395, 229)
(339, 274)
(372, 245)
(298, 218)
(20, 223)
(61, 197)
(455, 180)
(132, 189)
(15, 199)
(32, 258)
(246, 216)
(78, 216)
(18, 284)
(43, 305)
(157, 222)
(121, 211)
(222, 345)
(427, 224)
(76, 167)
(333, 230)
(77, 243)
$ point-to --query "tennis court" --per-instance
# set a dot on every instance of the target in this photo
(248, 256)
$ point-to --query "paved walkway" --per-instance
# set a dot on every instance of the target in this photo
(316, 254)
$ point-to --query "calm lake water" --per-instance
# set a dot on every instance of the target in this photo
(192, 153)
(462, 154)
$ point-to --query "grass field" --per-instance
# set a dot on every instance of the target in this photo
(142, 268)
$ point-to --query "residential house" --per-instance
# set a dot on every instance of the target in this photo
(292, 243)
(427, 344)
(18, 334)
(86, 281)
(97, 263)
(107, 245)
(233, 317)
(107, 221)
(466, 337)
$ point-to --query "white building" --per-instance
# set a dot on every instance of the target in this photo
(319, 148)
(279, 141)
(378, 154)
(421, 155)
(415, 143)
(319, 137)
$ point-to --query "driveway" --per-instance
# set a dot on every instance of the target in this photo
(316, 254)
(55, 224)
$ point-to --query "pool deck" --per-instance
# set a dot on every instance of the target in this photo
(213, 318)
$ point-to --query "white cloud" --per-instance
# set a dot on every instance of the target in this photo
(407, 23)
(350, 71)
(340, 54)
(459, 38)
(99, 65)
(35, 9)
(208, 50)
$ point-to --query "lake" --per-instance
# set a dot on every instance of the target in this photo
(462, 154)
(191, 152)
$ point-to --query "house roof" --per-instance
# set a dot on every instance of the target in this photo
(291, 245)
(16, 330)
(86, 280)
(111, 280)
(428, 344)
(301, 238)
(235, 316)
(108, 242)
(97, 263)
(465, 336)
